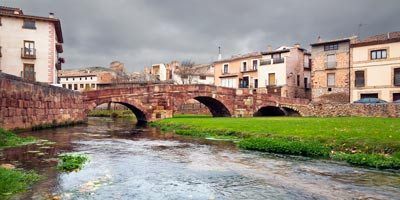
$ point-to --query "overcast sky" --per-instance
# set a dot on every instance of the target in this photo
(143, 32)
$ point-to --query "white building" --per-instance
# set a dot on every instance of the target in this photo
(30, 45)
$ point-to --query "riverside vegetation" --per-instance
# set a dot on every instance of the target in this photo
(372, 142)
(12, 180)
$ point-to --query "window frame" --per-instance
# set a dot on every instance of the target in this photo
(29, 27)
(244, 64)
(331, 46)
(380, 51)
(396, 70)
(327, 79)
(223, 68)
(363, 78)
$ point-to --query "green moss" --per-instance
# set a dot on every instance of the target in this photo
(72, 162)
(9, 139)
(13, 181)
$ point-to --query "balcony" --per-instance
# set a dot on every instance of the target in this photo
(28, 75)
(330, 65)
(272, 61)
(28, 53)
(272, 83)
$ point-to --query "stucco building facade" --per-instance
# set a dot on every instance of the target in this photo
(30, 45)
(375, 67)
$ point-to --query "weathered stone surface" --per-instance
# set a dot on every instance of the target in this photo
(25, 104)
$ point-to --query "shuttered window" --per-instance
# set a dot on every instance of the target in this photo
(360, 80)
(397, 76)
(331, 80)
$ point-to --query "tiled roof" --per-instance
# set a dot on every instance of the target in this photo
(240, 56)
(335, 40)
(380, 38)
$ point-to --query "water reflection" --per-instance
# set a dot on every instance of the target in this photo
(129, 162)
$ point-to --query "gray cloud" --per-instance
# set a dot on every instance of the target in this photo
(142, 32)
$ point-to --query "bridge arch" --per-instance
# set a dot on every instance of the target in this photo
(216, 107)
(136, 110)
(277, 111)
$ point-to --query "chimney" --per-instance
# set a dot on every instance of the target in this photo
(297, 45)
(51, 15)
(269, 48)
(388, 35)
(219, 53)
(319, 39)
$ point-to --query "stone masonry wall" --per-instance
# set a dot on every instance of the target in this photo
(26, 104)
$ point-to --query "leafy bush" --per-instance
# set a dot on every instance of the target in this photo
(371, 160)
(72, 162)
(274, 145)
(13, 181)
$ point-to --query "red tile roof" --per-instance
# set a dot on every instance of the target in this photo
(379, 39)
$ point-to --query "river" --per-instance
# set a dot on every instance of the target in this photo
(129, 162)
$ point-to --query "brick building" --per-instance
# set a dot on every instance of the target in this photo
(330, 70)
(30, 45)
(375, 67)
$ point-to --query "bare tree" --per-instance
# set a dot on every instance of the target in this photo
(186, 71)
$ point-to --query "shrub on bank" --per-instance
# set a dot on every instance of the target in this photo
(281, 146)
(370, 160)
(13, 181)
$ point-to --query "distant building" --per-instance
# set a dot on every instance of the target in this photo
(330, 70)
(93, 78)
(375, 67)
(286, 72)
(30, 45)
(239, 71)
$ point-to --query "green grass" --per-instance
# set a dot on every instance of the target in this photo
(9, 139)
(13, 181)
(302, 135)
(111, 113)
(72, 162)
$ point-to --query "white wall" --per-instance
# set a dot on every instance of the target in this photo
(12, 37)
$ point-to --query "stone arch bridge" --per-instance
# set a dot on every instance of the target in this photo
(153, 102)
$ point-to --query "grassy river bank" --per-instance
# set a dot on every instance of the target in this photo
(372, 142)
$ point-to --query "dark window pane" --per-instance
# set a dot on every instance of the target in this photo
(383, 53)
(373, 55)
(397, 76)
(359, 79)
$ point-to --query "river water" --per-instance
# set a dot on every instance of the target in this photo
(129, 162)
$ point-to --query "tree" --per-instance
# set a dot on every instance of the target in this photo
(186, 71)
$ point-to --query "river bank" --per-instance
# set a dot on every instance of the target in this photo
(372, 142)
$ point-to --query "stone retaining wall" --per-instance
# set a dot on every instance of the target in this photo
(26, 104)
(344, 110)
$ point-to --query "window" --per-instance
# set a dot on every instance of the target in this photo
(70, 86)
(397, 76)
(93, 85)
(29, 72)
(331, 80)
(225, 68)
(75, 86)
(396, 96)
(255, 65)
(244, 66)
(298, 80)
(66, 79)
(85, 78)
(329, 47)
(30, 24)
(276, 56)
(360, 80)
(330, 61)
(0, 21)
(228, 82)
(271, 79)
(378, 54)
(203, 77)
(370, 95)
(244, 83)
(63, 85)
(87, 86)
(81, 85)
(306, 83)
(73, 79)
(91, 78)
(255, 83)
(29, 48)
(80, 78)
